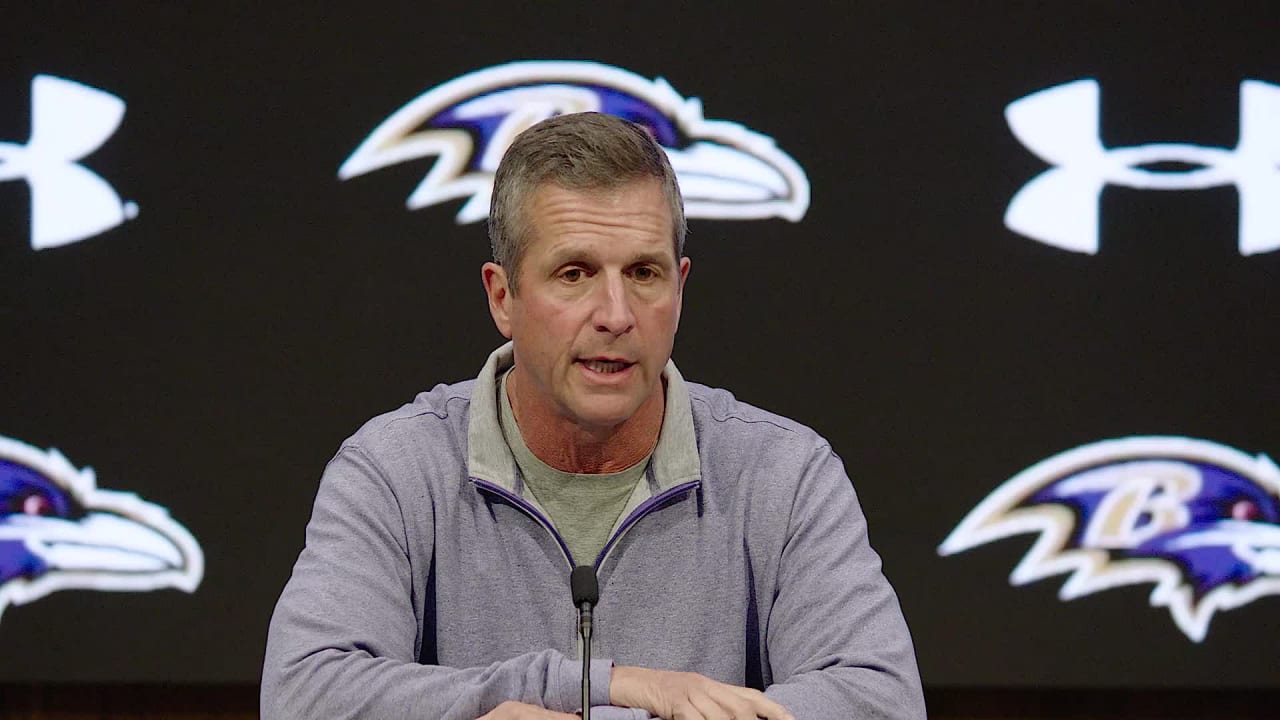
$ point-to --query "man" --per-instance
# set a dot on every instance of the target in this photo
(731, 552)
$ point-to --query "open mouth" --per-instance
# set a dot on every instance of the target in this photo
(605, 367)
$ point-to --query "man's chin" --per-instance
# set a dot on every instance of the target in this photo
(603, 414)
(601, 422)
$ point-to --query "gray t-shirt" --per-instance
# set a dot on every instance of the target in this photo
(582, 507)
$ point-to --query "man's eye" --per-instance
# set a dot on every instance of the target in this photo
(644, 273)
(572, 275)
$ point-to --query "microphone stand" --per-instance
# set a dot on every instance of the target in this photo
(586, 593)
(584, 626)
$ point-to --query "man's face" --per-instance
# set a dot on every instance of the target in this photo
(598, 304)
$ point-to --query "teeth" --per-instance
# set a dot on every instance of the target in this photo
(602, 366)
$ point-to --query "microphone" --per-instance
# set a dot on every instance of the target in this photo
(586, 593)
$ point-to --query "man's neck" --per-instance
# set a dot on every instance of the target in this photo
(568, 447)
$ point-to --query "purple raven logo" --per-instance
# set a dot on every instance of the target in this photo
(725, 170)
(1200, 521)
(59, 531)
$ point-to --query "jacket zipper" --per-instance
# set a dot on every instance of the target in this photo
(645, 508)
(532, 512)
(529, 510)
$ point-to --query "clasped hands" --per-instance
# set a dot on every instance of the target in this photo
(668, 695)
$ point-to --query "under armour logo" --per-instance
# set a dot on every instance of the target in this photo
(68, 202)
(1059, 207)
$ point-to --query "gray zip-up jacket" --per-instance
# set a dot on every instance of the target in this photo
(431, 586)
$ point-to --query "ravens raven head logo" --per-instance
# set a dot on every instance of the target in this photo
(1199, 520)
(59, 531)
(725, 171)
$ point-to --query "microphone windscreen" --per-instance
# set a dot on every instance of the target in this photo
(583, 584)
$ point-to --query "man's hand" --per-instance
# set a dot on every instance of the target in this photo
(689, 696)
(512, 710)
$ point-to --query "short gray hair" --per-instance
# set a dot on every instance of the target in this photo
(578, 151)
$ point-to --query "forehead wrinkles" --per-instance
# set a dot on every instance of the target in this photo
(637, 208)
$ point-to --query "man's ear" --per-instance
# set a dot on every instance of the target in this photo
(498, 290)
(685, 264)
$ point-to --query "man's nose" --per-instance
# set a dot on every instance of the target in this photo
(613, 312)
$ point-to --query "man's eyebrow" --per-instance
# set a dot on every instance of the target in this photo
(567, 253)
(570, 253)
(662, 259)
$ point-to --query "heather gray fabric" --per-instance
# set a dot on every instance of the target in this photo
(583, 508)
(431, 588)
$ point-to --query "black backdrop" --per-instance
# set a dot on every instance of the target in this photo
(210, 354)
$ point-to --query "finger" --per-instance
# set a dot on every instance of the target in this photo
(737, 710)
(686, 712)
(762, 706)
(710, 708)
(734, 705)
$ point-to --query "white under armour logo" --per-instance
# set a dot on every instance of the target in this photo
(1059, 207)
(68, 202)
